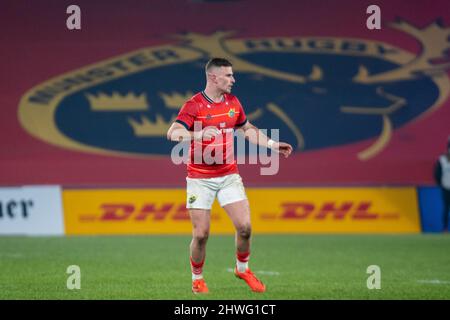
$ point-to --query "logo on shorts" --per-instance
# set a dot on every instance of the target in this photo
(358, 89)
(192, 199)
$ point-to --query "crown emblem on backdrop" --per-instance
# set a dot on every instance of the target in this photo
(118, 102)
(175, 100)
(147, 128)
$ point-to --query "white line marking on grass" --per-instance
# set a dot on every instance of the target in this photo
(12, 255)
(434, 281)
(267, 273)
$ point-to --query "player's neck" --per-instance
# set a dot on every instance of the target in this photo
(214, 95)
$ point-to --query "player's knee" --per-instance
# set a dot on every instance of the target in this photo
(201, 236)
(245, 231)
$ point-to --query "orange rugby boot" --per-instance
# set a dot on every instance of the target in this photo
(253, 282)
(199, 286)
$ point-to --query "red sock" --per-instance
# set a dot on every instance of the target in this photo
(242, 261)
(196, 267)
(242, 256)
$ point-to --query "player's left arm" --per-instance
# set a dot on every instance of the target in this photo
(256, 136)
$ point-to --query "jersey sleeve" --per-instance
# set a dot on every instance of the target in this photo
(187, 114)
(242, 118)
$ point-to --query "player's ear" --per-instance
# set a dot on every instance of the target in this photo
(214, 77)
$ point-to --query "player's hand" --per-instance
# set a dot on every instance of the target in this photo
(282, 147)
(210, 132)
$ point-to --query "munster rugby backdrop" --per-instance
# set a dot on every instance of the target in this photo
(358, 105)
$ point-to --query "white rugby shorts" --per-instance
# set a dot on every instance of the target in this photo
(202, 192)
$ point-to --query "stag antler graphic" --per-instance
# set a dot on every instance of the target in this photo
(215, 46)
(434, 41)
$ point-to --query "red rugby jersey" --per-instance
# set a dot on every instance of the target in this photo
(225, 115)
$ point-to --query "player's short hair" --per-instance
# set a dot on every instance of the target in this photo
(217, 62)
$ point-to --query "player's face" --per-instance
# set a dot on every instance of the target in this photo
(224, 79)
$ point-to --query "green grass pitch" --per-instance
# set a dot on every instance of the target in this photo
(292, 266)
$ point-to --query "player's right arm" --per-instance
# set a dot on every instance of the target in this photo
(181, 129)
(178, 132)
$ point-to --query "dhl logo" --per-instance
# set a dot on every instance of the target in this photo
(334, 210)
(328, 210)
(148, 211)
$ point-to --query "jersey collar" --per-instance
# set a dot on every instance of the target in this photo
(211, 100)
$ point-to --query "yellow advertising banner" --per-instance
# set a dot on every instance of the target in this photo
(277, 210)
